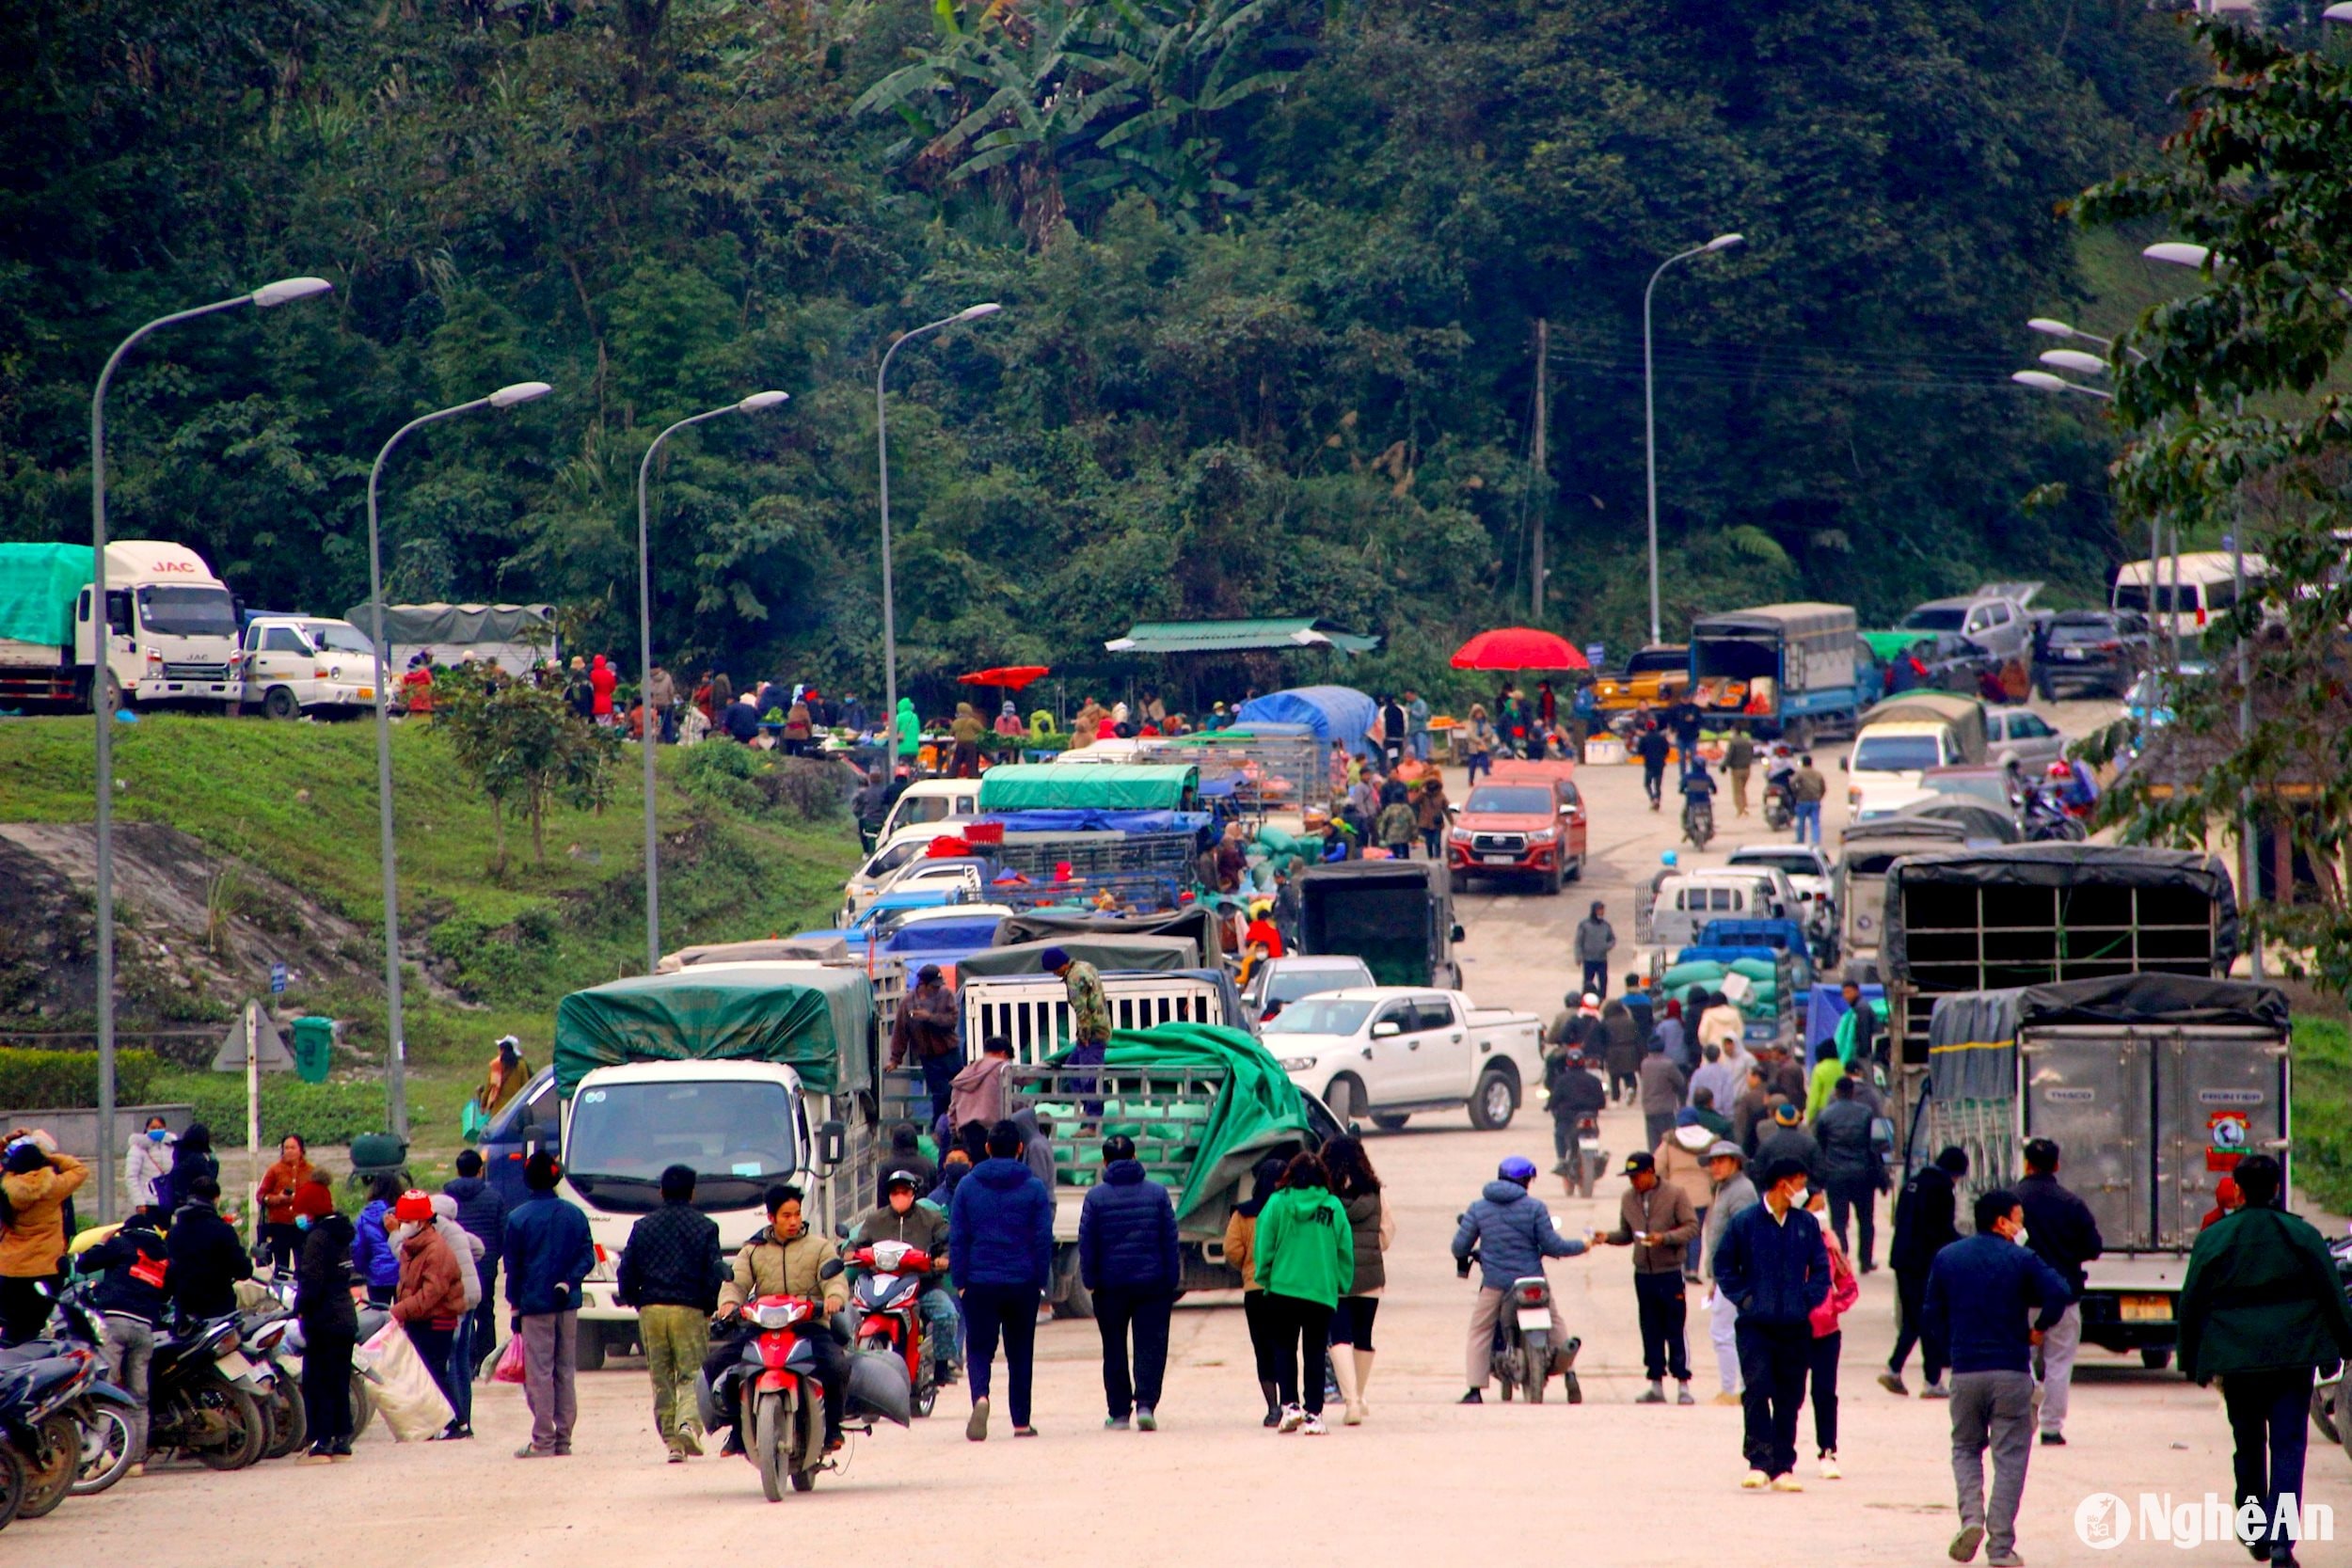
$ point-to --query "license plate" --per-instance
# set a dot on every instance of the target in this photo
(2071, 652)
(2146, 1309)
(1534, 1318)
(235, 1366)
(1498, 859)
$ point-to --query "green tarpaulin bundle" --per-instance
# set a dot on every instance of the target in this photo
(1261, 1110)
(1098, 787)
(815, 1019)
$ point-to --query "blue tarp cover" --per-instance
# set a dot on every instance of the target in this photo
(1339, 713)
(1088, 820)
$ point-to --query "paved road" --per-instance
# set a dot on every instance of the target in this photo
(1426, 1480)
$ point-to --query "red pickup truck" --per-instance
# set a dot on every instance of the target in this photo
(1526, 819)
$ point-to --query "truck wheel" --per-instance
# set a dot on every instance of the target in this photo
(1553, 880)
(588, 1355)
(1346, 1098)
(1390, 1121)
(2155, 1358)
(113, 693)
(1492, 1106)
(279, 703)
(1078, 1303)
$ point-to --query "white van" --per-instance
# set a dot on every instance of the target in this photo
(291, 665)
(931, 800)
(1887, 759)
(2193, 590)
(891, 855)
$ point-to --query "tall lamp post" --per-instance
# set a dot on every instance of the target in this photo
(881, 452)
(103, 700)
(1649, 406)
(396, 1049)
(752, 405)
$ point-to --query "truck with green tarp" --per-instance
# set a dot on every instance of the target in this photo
(752, 1074)
(1204, 1104)
(1093, 786)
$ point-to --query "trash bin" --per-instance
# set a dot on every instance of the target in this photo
(313, 1048)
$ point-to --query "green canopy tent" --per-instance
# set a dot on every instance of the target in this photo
(815, 1019)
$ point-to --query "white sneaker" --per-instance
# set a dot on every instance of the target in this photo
(1293, 1418)
(1787, 1482)
(1312, 1427)
(1829, 1467)
(1754, 1480)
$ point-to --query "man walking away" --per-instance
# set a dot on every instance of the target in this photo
(1786, 1140)
(1656, 1219)
(1001, 1221)
(1979, 1290)
(1652, 746)
(671, 1271)
(1739, 761)
(2260, 1309)
(482, 1210)
(1735, 1195)
(2064, 1233)
(1595, 939)
(207, 1256)
(1853, 1172)
(547, 1256)
(1808, 787)
(1127, 1259)
(1927, 1220)
(926, 1030)
(978, 1090)
(1774, 1267)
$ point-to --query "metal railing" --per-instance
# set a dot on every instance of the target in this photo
(1033, 1010)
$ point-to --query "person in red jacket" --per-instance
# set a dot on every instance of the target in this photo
(601, 680)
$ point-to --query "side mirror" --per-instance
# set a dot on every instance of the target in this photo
(1845, 765)
(830, 1269)
(1385, 1029)
(841, 1230)
(1460, 934)
(833, 1142)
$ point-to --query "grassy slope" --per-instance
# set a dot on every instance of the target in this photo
(511, 944)
(2323, 1112)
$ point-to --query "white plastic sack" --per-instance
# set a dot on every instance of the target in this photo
(1735, 987)
(406, 1395)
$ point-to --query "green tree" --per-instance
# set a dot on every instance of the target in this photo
(526, 750)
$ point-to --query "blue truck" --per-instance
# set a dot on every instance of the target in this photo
(1787, 671)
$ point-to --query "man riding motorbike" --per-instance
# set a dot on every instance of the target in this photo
(900, 1218)
(1573, 1093)
(1699, 794)
(1512, 1234)
(784, 1258)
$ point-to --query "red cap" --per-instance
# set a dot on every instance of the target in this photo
(415, 1206)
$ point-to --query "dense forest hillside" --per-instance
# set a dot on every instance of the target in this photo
(1272, 273)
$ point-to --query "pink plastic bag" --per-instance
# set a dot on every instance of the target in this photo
(510, 1366)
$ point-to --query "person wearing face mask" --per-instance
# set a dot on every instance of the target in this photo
(466, 1248)
(1981, 1290)
(900, 1218)
(1773, 1268)
(147, 1165)
(431, 1296)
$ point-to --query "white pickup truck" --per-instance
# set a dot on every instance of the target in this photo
(1389, 1052)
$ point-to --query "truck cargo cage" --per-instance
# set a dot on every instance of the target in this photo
(1091, 854)
(1033, 1010)
(1269, 773)
(1165, 1110)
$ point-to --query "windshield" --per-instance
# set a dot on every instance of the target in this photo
(890, 860)
(2133, 595)
(1895, 753)
(1991, 791)
(1658, 662)
(337, 637)
(188, 612)
(1794, 864)
(1291, 983)
(736, 1133)
(1319, 1015)
(1936, 618)
(1510, 799)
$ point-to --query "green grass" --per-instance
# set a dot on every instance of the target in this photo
(507, 944)
(2323, 1112)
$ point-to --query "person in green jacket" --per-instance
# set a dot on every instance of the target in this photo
(1823, 1086)
(2260, 1309)
(909, 731)
(1306, 1258)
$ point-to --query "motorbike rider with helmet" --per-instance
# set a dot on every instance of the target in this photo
(1512, 1234)
(784, 1258)
(901, 1218)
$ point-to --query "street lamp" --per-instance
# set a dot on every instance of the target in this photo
(2179, 253)
(1649, 406)
(2042, 381)
(752, 405)
(396, 1049)
(2075, 360)
(103, 703)
(882, 452)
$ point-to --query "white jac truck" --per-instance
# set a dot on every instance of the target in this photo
(1393, 1051)
(171, 627)
(753, 1074)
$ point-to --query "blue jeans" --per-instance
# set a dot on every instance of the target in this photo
(942, 1325)
(461, 1369)
(1809, 815)
(1421, 745)
(1479, 762)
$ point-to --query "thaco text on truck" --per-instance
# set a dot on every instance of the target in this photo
(1788, 669)
(750, 1073)
(169, 627)
(2154, 1086)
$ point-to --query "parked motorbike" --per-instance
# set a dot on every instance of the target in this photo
(2331, 1396)
(101, 1412)
(37, 1425)
(1523, 1356)
(890, 1315)
(777, 1400)
(199, 1397)
(1698, 820)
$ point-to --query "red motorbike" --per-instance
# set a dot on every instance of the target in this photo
(890, 1314)
(775, 1393)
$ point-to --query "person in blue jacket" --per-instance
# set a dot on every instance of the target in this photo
(1772, 1265)
(1512, 1234)
(374, 1258)
(548, 1255)
(1002, 1222)
(1127, 1259)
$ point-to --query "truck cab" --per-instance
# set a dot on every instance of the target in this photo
(1669, 916)
(170, 629)
(1392, 1052)
(289, 665)
(931, 800)
(1527, 820)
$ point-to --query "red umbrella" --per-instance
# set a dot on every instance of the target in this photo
(1517, 648)
(1013, 677)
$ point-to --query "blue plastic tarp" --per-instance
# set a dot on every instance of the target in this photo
(1339, 713)
(1088, 820)
(1824, 1006)
(941, 936)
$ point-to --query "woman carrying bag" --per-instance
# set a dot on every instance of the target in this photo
(1241, 1245)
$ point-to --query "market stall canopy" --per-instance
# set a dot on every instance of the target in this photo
(513, 636)
(1218, 637)
(1331, 713)
(1013, 677)
(1519, 648)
